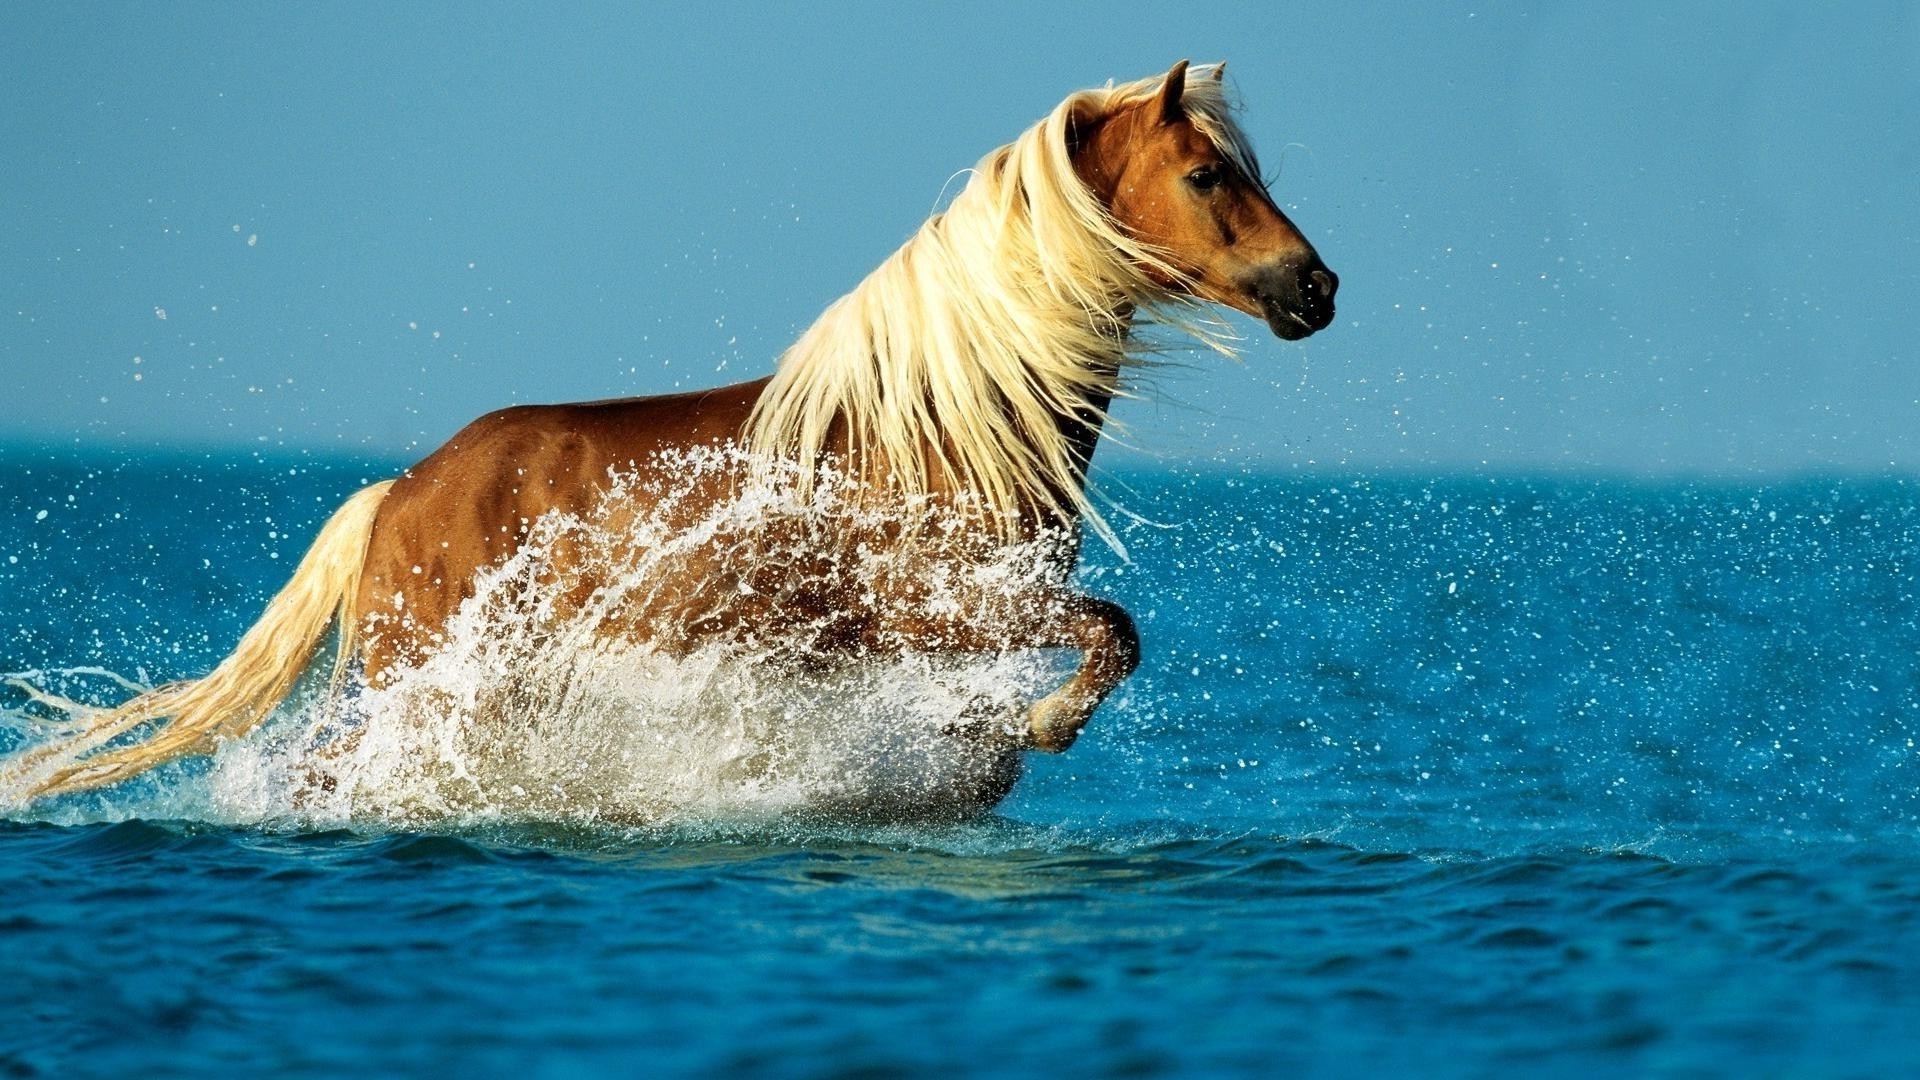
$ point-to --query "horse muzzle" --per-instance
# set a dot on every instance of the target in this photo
(1296, 298)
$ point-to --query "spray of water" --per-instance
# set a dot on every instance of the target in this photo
(529, 708)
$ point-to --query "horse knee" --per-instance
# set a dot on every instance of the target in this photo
(1108, 635)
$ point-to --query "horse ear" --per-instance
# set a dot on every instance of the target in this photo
(1082, 122)
(1220, 71)
(1170, 92)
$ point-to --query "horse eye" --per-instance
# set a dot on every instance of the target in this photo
(1206, 177)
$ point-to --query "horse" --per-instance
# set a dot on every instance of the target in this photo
(972, 372)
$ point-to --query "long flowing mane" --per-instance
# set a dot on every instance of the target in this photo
(968, 357)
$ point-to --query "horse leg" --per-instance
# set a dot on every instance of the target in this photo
(1110, 646)
(1100, 629)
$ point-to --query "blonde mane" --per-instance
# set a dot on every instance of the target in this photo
(967, 358)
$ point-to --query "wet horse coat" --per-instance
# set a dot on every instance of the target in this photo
(969, 376)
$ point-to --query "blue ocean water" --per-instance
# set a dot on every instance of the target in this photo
(1454, 774)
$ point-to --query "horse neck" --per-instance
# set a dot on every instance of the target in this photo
(1081, 430)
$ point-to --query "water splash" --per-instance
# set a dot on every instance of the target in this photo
(725, 690)
(1467, 665)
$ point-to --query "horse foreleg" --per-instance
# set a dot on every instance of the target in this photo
(1100, 629)
(1105, 635)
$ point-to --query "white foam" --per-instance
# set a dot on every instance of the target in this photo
(529, 711)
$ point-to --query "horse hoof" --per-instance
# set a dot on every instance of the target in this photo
(1049, 731)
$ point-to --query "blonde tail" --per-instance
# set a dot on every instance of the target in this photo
(238, 695)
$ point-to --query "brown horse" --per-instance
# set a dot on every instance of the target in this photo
(968, 376)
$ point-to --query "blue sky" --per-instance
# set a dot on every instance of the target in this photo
(1662, 239)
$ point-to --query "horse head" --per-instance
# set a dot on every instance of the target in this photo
(1198, 202)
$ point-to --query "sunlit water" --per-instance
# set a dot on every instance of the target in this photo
(1458, 775)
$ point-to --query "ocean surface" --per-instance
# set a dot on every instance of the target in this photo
(1454, 775)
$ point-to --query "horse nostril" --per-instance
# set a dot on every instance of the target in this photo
(1322, 283)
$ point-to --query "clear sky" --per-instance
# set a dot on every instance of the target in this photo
(1652, 238)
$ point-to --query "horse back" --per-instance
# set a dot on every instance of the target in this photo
(472, 503)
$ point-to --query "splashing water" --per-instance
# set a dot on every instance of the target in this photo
(533, 705)
(1455, 664)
